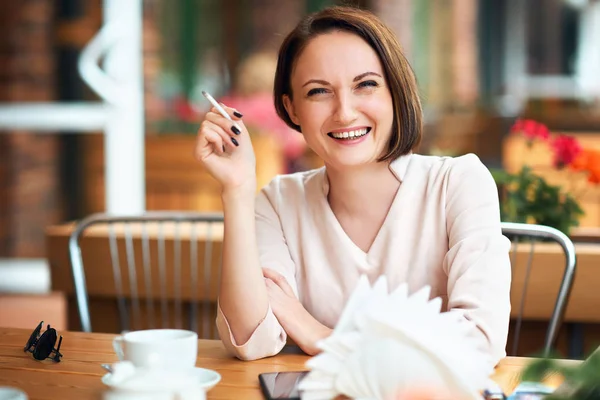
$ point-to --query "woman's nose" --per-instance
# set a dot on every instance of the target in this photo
(345, 111)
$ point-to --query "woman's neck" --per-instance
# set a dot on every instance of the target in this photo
(353, 191)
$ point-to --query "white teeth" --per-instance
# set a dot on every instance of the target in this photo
(350, 134)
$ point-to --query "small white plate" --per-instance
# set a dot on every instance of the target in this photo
(10, 393)
(207, 379)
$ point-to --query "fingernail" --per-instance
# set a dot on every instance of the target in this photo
(238, 114)
(235, 130)
(234, 141)
(223, 148)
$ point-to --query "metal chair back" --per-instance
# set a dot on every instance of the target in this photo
(164, 266)
(519, 233)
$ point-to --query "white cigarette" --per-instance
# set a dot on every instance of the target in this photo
(216, 105)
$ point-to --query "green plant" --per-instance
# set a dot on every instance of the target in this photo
(528, 198)
(581, 380)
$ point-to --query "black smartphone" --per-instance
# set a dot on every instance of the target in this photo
(281, 385)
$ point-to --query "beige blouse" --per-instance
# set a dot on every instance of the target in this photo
(443, 230)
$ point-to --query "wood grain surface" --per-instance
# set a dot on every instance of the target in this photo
(78, 375)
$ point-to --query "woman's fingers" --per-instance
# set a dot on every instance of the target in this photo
(212, 139)
(279, 280)
(235, 114)
(274, 291)
(228, 139)
(232, 128)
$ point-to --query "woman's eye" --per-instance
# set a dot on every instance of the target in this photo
(314, 91)
(368, 84)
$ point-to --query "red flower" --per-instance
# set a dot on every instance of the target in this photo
(593, 165)
(582, 161)
(530, 129)
(588, 161)
(566, 149)
(594, 176)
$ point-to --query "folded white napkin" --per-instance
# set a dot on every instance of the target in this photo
(385, 343)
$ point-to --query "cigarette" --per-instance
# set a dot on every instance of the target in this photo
(216, 105)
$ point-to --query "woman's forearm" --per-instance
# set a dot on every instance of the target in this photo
(242, 294)
(312, 337)
(303, 328)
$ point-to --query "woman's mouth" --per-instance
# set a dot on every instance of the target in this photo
(350, 134)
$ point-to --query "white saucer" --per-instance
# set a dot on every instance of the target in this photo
(10, 393)
(206, 379)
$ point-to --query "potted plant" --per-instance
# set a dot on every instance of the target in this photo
(581, 380)
(527, 196)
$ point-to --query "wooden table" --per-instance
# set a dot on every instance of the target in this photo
(78, 375)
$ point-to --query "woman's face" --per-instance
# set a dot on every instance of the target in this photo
(341, 100)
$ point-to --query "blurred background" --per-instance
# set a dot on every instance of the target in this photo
(73, 142)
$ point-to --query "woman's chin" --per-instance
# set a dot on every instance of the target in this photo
(349, 162)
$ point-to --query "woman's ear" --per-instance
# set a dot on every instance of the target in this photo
(289, 107)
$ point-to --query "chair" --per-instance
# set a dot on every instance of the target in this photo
(519, 231)
(155, 265)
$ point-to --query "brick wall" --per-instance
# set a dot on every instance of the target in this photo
(272, 20)
(398, 15)
(465, 69)
(29, 163)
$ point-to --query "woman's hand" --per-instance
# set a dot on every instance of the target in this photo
(225, 150)
(302, 327)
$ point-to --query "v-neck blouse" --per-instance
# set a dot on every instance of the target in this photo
(442, 230)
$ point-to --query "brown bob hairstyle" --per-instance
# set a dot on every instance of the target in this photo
(407, 126)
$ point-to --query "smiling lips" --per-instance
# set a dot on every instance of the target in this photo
(349, 135)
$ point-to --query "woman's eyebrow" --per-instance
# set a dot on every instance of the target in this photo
(359, 77)
(319, 81)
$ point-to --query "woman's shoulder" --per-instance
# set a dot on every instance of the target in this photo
(448, 162)
(464, 176)
(294, 187)
(448, 166)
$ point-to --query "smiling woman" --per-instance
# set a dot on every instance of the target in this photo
(293, 254)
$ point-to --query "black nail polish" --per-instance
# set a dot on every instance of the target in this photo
(223, 148)
(234, 141)
(238, 114)
(235, 130)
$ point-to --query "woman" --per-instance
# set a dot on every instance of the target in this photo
(293, 254)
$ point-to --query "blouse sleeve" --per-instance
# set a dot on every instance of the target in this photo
(478, 261)
(269, 337)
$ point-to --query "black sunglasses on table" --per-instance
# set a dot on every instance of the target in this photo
(42, 347)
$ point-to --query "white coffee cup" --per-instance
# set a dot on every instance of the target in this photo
(158, 348)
